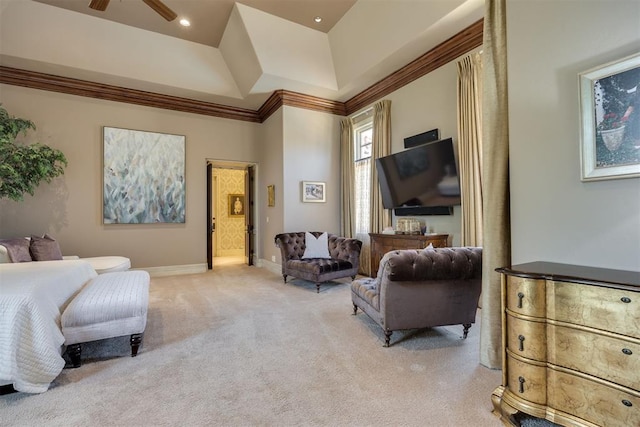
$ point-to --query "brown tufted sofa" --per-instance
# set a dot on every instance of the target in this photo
(422, 288)
(344, 262)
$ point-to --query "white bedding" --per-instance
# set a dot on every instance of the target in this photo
(32, 298)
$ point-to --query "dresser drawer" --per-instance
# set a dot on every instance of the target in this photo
(603, 308)
(526, 296)
(527, 338)
(593, 401)
(526, 381)
(603, 356)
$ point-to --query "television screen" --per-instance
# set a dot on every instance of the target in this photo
(426, 176)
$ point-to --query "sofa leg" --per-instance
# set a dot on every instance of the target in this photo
(387, 337)
(355, 309)
(317, 288)
(284, 277)
(74, 351)
(466, 330)
(135, 341)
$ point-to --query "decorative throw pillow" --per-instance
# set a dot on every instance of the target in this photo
(316, 247)
(17, 249)
(45, 248)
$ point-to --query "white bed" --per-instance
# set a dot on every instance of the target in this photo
(33, 296)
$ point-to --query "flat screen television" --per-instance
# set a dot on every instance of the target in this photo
(422, 180)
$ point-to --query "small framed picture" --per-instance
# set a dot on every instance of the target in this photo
(610, 114)
(236, 205)
(313, 192)
(271, 196)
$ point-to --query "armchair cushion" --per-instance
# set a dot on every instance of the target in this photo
(15, 250)
(316, 247)
(44, 248)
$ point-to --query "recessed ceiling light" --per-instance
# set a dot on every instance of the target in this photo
(318, 19)
(185, 22)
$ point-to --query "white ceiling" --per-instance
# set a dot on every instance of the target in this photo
(235, 53)
(209, 17)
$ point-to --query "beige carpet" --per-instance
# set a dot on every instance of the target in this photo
(237, 347)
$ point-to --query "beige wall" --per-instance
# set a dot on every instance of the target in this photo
(311, 153)
(428, 103)
(555, 216)
(71, 207)
(270, 220)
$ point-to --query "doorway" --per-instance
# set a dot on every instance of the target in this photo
(230, 213)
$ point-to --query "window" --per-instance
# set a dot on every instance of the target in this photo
(363, 134)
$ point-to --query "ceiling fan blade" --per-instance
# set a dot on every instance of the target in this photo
(161, 8)
(100, 5)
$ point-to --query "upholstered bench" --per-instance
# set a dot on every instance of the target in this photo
(111, 305)
(105, 264)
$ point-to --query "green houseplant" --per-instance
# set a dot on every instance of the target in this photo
(24, 166)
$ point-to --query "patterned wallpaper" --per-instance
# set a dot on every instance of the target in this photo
(229, 236)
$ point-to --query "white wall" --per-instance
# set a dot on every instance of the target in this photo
(70, 208)
(554, 216)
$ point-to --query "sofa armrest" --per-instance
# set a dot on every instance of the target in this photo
(458, 263)
(345, 248)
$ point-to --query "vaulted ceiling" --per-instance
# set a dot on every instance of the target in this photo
(235, 54)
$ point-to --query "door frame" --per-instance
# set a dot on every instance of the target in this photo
(250, 206)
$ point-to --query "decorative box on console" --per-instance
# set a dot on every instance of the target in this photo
(408, 226)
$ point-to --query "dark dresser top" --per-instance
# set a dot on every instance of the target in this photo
(575, 273)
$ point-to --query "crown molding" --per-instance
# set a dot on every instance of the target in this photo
(294, 99)
(461, 43)
(456, 46)
(50, 82)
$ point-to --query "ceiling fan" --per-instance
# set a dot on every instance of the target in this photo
(156, 5)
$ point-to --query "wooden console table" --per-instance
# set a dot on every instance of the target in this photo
(571, 345)
(383, 243)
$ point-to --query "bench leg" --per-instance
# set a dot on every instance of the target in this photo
(355, 309)
(284, 277)
(136, 340)
(387, 337)
(466, 330)
(75, 351)
(317, 288)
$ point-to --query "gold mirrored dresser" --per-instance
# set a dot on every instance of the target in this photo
(571, 345)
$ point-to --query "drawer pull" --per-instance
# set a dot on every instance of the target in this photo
(521, 338)
(520, 296)
(627, 351)
(625, 300)
(521, 387)
(625, 402)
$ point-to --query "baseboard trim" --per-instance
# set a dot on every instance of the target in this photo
(174, 270)
(271, 266)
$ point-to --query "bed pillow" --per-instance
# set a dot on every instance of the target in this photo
(316, 247)
(17, 249)
(45, 248)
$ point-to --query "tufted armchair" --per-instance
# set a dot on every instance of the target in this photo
(422, 288)
(344, 261)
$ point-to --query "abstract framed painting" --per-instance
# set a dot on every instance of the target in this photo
(313, 192)
(143, 177)
(610, 115)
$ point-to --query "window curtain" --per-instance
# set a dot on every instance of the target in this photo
(348, 212)
(470, 147)
(379, 217)
(363, 187)
(495, 184)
